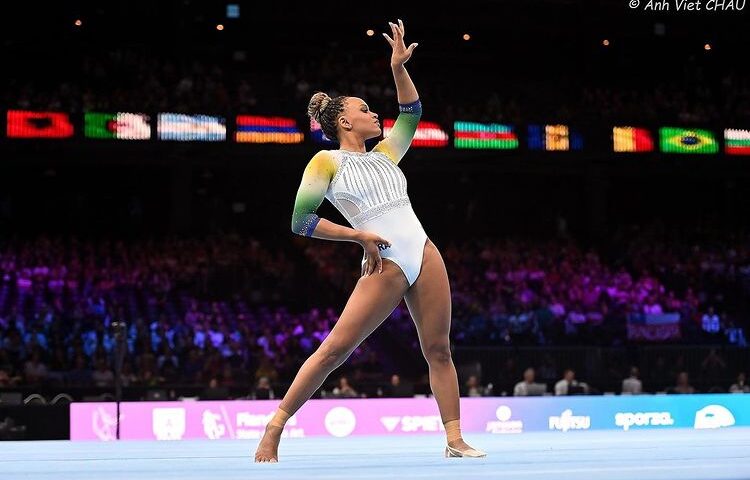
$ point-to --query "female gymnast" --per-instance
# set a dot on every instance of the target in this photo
(369, 189)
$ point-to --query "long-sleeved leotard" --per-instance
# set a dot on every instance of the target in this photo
(369, 189)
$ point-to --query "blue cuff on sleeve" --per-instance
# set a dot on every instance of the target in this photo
(311, 227)
(414, 107)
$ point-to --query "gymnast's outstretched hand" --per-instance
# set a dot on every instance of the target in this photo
(401, 54)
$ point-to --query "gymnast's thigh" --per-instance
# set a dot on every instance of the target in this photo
(373, 299)
(429, 298)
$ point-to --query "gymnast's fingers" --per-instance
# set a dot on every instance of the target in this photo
(385, 243)
(380, 264)
(396, 32)
(388, 39)
(401, 24)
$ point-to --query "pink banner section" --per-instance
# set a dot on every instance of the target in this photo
(247, 419)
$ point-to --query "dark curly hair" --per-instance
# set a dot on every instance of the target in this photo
(326, 110)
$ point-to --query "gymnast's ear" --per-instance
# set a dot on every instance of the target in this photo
(344, 123)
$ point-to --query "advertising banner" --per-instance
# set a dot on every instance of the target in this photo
(342, 418)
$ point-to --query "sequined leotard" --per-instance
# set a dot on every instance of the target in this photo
(369, 189)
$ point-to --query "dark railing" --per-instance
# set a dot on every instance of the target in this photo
(604, 367)
(601, 367)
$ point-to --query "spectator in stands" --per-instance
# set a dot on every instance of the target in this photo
(473, 388)
(6, 380)
(397, 388)
(371, 367)
(215, 391)
(568, 385)
(528, 386)
(80, 375)
(148, 378)
(263, 390)
(740, 386)
(267, 369)
(344, 389)
(127, 377)
(103, 376)
(713, 367)
(735, 335)
(682, 385)
(632, 385)
(34, 370)
(710, 322)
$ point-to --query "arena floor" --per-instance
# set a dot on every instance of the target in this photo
(674, 454)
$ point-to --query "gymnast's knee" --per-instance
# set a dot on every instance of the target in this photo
(438, 353)
(332, 354)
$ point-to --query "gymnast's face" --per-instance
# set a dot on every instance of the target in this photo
(357, 117)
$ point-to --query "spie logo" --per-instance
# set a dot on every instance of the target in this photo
(413, 423)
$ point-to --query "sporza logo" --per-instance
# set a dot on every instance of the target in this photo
(713, 416)
(567, 421)
(643, 419)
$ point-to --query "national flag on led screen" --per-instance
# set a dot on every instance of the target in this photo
(484, 135)
(185, 128)
(122, 126)
(654, 327)
(257, 129)
(737, 141)
(24, 124)
(554, 138)
(632, 139)
(684, 140)
(428, 134)
(316, 132)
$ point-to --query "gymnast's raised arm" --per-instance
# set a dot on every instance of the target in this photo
(398, 140)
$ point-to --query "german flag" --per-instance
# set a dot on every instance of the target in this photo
(632, 139)
(484, 136)
(24, 124)
(736, 141)
(684, 140)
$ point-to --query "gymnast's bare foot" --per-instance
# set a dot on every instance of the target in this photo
(268, 448)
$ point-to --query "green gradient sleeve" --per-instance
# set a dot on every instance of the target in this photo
(399, 138)
(312, 190)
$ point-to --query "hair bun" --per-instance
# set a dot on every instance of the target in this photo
(317, 104)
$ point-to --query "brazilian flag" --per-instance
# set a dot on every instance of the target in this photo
(687, 140)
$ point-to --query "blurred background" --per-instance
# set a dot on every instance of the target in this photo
(582, 166)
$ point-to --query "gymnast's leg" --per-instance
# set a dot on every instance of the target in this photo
(429, 302)
(372, 301)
